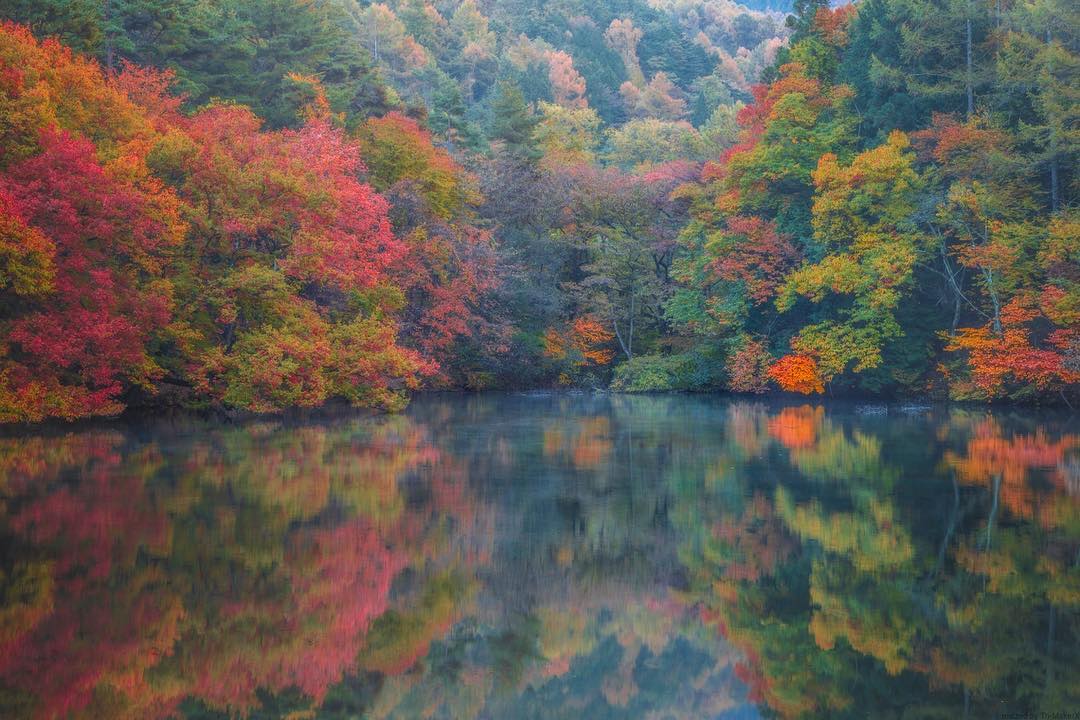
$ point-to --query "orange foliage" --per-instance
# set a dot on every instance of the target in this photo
(589, 337)
(995, 360)
(797, 428)
(567, 84)
(586, 339)
(797, 373)
(991, 456)
(554, 344)
(316, 105)
(832, 23)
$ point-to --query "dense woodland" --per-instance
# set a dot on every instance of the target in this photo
(263, 204)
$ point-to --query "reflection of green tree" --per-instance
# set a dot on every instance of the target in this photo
(619, 663)
(879, 608)
(875, 616)
(588, 534)
(400, 637)
(871, 536)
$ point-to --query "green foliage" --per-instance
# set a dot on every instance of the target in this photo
(513, 123)
(694, 371)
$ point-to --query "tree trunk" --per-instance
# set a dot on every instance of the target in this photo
(1050, 648)
(1055, 192)
(993, 512)
(994, 300)
(969, 81)
(107, 12)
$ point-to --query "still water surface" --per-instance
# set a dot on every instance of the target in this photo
(546, 556)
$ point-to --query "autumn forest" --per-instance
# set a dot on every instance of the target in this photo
(249, 206)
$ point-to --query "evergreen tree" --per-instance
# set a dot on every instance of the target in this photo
(513, 123)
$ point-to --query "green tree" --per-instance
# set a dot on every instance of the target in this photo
(513, 124)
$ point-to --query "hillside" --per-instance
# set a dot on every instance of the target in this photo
(263, 204)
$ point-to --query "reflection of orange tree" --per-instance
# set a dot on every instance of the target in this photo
(796, 427)
(821, 450)
(1011, 616)
(1015, 571)
(586, 442)
(256, 559)
(1007, 465)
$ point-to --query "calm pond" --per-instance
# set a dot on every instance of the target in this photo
(546, 556)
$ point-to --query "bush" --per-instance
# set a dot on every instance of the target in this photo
(693, 371)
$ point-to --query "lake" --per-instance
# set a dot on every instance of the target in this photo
(546, 556)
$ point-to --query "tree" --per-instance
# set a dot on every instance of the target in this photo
(659, 99)
(449, 271)
(290, 293)
(624, 226)
(863, 215)
(1041, 77)
(567, 136)
(86, 337)
(513, 124)
(648, 142)
(623, 38)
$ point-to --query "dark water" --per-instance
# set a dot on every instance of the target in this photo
(546, 556)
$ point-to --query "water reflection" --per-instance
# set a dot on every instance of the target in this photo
(545, 556)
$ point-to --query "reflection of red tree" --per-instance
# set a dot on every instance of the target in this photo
(139, 593)
(747, 428)
(338, 580)
(756, 540)
(752, 545)
(107, 620)
(991, 456)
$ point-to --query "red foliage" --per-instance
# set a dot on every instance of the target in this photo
(751, 251)
(446, 275)
(296, 188)
(72, 353)
(448, 269)
(151, 90)
(748, 368)
(962, 149)
(91, 631)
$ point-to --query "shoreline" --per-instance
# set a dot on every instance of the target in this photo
(148, 415)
